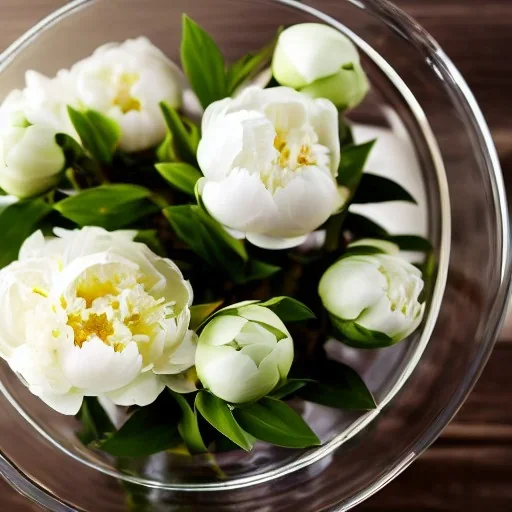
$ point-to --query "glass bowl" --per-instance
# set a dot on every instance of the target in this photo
(432, 138)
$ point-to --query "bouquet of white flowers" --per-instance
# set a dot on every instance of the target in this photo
(179, 243)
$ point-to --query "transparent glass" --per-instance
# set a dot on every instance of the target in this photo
(451, 166)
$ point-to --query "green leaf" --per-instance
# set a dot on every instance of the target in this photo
(352, 162)
(203, 63)
(188, 426)
(219, 415)
(346, 136)
(17, 222)
(208, 239)
(288, 309)
(146, 432)
(109, 206)
(363, 227)
(338, 386)
(274, 422)
(180, 175)
(289, 387)
(99, 134)
(70, 147)
(357, 336)
(150, 238)
(280, 335)
(411, 243)
(249, 65)
(377, 189)
(184, 140)
(165, 152)
(95, 421)
(200, 312)
(256, 270)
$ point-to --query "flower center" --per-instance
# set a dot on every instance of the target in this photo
(94, 325)
(124, 99)
(291, 157)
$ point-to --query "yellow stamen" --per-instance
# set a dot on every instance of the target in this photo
(95, 325)
(94, 288)
(40, 292)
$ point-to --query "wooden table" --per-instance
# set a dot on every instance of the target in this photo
(470, 467)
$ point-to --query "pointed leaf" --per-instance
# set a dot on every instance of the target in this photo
(95, 421)
(146, 432)
(352, 162)
(203, 63)
(109, 206)
(18, 221)
(274, 422)
(411, 243)
(363, 227)
(188, 426)
(377, 189)
(288, 388)
(99, 134)
(200, 312)
(288, 309)
(218, 414)
(183, 140)
(248, 65)
(180, 175)
(339, 386)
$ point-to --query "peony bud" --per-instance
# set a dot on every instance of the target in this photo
(321, 62)
(30, 159)
(373, 298)
(242, 356)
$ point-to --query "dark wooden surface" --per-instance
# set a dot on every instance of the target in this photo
(470, 467)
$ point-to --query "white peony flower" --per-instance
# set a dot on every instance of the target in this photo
(373, 298)
(30, 159)
(270, 159)
(93, 313)
(322, 62)
(126, 82)
(242, 356)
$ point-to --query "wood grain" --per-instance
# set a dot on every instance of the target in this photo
(470, 467)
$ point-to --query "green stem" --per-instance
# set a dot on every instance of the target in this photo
(210, 457)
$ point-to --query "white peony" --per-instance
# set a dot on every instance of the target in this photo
(30, 159)
(243, 355)
(373, 298)
(322, 62)
(93, 313)
(270, 159)
(126, 82)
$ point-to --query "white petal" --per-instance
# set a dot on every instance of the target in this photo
(222, 330)
(304, 204)
(142, 391)
(264, 315)
(97, 368)
(274, 243)
(316, 50)
(179, 360)
(68, 404)
(323, 116)
(350, 286)
(240, 202)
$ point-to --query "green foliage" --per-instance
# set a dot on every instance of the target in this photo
(17, 222)
(338, 386)
(109, 206)
(220, 416)
(99, 134)
(180, 175)
(275, 422)
(203, 63)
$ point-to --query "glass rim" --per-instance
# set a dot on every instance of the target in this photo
(464, 100)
